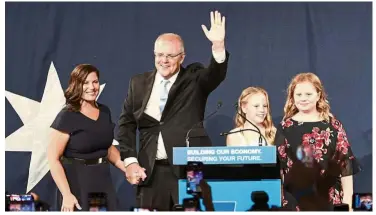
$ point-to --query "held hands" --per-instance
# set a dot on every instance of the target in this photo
(134, 173)
(69, 201)
(216, 34)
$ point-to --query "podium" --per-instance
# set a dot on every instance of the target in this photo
(233, 173)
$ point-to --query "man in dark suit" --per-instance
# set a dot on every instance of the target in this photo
(163, 105)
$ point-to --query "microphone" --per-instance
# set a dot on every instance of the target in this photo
(233, 132)
(219, 105)
(245, 118)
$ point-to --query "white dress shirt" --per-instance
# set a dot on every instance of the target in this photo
(152, 107)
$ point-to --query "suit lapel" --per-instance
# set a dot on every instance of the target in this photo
(148, 83)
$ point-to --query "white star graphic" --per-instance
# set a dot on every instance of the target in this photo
(37, 117)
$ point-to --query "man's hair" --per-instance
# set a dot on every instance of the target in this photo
(171, 37)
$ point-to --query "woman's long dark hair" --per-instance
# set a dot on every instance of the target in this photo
(73, 94)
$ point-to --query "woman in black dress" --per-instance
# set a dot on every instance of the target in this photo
(308, 122)
(81, 147)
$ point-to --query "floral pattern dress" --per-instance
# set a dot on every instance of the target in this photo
(325, 139)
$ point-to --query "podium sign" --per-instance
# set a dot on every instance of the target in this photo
(225, 155)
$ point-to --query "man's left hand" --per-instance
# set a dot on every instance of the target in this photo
(216, 34)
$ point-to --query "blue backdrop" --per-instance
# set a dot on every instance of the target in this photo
(269, 43)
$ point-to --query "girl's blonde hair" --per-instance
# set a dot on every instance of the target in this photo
(267, 123)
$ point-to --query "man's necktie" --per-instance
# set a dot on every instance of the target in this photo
(163, 94)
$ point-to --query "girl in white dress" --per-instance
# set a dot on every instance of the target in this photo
(253, 104)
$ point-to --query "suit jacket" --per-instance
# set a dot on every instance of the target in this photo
(184, 108)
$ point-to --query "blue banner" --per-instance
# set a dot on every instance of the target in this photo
(225, 155)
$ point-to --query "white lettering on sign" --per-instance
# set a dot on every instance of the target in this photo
(202, 159)
(245, 151)
(227, 158)
(201, 152)
(248, 158)
(223, 151)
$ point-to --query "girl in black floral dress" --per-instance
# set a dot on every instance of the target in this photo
(308, 122)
